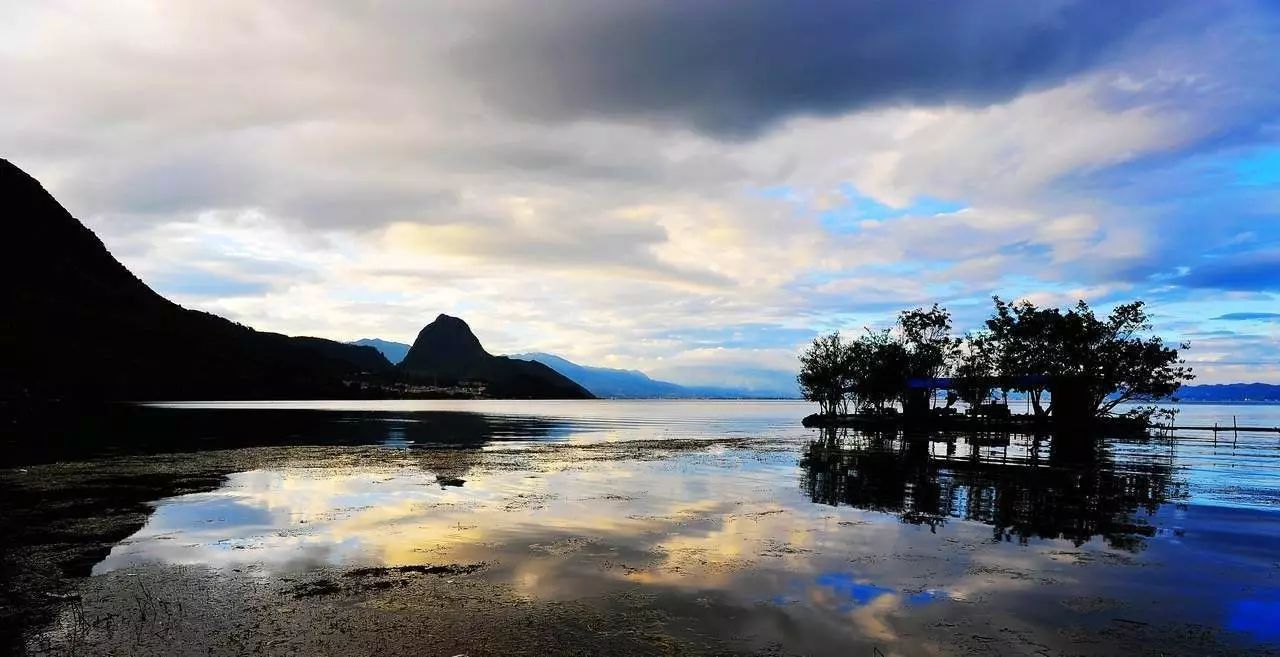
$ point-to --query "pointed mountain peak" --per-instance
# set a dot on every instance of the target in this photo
(448, 325)
(447, 351)
(450, 320)
(446, 344)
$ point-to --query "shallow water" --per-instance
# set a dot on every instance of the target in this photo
(745, 530)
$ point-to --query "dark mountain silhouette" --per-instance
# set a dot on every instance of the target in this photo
(118, 339)
(394, 351)
(447, 352)
(365, 359)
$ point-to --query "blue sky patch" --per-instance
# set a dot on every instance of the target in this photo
(859, 207)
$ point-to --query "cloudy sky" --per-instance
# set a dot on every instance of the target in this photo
(694, 188)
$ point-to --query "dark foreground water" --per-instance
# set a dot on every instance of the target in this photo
(498, 528)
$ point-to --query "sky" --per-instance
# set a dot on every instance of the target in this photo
(693, 188)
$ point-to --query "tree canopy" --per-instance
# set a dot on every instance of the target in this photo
(825, 373)
(1105, 361)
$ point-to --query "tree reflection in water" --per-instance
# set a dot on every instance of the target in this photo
(1025, 486)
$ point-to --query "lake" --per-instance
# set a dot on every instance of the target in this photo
(628, 527)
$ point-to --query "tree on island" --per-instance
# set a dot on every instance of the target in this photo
(976, 369)
(1097, 364)
(825, 374)
(872, 371)
(882, 366)
(1024, 339)
(925, 335)
(1116, 358)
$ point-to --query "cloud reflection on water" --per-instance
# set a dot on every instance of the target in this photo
(880, 538)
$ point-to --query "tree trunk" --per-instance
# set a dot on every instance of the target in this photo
(1035, 403)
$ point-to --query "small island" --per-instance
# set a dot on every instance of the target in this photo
(1071, 368)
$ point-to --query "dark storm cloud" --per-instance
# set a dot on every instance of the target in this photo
(732, 68)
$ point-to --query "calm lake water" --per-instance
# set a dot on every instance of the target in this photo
(711, 526)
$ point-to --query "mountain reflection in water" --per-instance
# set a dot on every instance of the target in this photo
(1024, 486)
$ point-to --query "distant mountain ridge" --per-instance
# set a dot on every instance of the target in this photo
(1230, 392)
(393, 351)
(119, 339)
(608, 382)
(634, 384)
(446, 350)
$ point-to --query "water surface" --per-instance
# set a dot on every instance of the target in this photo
(740, 529)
